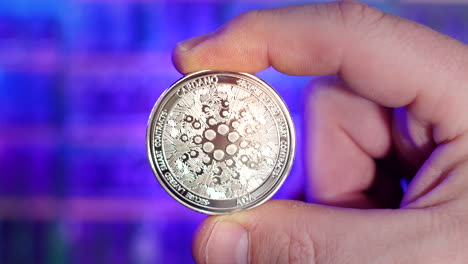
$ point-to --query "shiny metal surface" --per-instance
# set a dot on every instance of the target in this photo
(220, 141)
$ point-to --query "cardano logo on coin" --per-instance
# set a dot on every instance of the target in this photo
(220, 142)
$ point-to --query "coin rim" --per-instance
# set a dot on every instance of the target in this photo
(262, 198)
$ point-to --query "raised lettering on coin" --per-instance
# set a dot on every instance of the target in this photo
(220, 141)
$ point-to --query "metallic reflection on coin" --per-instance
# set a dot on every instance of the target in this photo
(219, 142)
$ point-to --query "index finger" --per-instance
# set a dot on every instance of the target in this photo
(389, 60)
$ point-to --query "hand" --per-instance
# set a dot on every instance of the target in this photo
(401, 86)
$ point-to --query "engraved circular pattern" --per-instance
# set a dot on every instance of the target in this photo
(220, 141)
(219, 167)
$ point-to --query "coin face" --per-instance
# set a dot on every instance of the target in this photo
(220, 141)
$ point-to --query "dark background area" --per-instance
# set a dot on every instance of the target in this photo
(78, 80)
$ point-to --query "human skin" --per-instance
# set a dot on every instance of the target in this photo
(392, 85)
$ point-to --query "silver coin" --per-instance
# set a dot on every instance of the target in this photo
(219, 142)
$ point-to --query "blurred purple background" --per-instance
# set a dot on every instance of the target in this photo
(78, 80)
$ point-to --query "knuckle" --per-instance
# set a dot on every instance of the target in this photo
(246, 20)
(301, 250)
(353, 13)
(296, 248)
(250, 15)
(252, 21)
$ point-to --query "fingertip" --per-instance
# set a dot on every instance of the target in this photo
(233, 47)
(201, 237)
(189, 44)
(177, 60)
(227, 237)
(220, 239)
(228, 241)
(182, 52)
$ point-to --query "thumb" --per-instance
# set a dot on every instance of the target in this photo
(296, 232)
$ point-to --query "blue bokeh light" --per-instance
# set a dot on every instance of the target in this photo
(78, 80)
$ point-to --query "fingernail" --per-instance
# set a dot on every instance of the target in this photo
(228, 243)
(189, 44)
